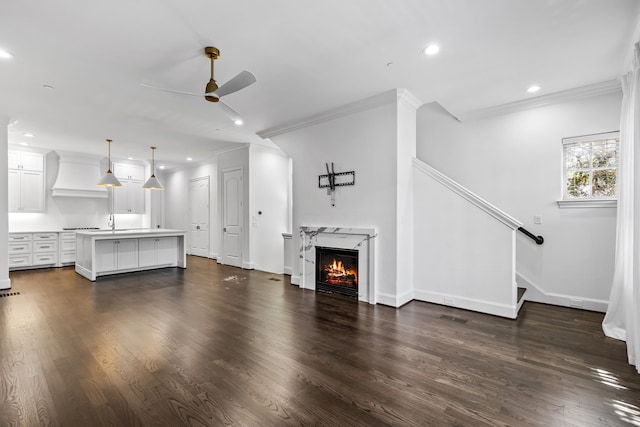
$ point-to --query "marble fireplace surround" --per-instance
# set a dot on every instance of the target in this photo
(360, 239)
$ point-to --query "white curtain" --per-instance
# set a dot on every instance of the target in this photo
(622, 320)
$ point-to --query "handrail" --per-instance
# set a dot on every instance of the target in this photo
(538, 239)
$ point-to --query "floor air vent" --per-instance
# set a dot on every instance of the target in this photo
(10, 294)
(274, 279)
(453, 319)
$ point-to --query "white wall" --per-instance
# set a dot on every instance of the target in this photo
(176, 197)
(269, 206)
(364, 142)
(514, 162)
(464, 252)
(5, 283)
(266, 178)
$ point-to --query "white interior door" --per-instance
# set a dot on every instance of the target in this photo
(232, 218)
(199, 211)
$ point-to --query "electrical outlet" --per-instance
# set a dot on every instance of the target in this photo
(537, 219)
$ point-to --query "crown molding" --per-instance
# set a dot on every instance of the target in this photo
(603, 88)
(410, 99)
(354, 107)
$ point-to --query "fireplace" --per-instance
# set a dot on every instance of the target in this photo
(356, 243)
(337, 271)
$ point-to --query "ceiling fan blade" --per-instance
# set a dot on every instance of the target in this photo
(240, 81)
(169, 90)
(230, 112)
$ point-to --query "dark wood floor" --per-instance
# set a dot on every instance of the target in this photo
(215, 345)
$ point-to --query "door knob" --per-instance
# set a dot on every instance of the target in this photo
(197, 227)
(224, 229)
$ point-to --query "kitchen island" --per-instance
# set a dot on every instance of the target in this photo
(103, 252)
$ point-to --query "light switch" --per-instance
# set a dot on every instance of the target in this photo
(537, 219)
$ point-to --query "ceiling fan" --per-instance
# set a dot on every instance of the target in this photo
(212, 92)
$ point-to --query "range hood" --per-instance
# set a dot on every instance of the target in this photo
(77, 176)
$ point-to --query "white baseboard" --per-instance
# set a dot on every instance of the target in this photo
(488, 307)
(219, 260)
(248, 265)
(5, 284)
(213, 255)
(295, 280)
(288, 271)
(393, 300)
(537, 294)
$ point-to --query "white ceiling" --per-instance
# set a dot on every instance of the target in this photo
(307, 56)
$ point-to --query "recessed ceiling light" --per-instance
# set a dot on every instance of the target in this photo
(129, 158)
(23, 143)
(29, 135)
(238, 122)
(432, 49)
(189, 159)
(533, 89)
(5, 55)
(161, 167)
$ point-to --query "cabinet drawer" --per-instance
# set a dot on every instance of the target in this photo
(68, 235)
(20, 248)
(45, 236)
(20, 237)
(45, 247)
(68, 245)
(19, 260)
(42, 259)
(67, 257)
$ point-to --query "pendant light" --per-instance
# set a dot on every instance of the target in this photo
(109, 179)
(153, 183)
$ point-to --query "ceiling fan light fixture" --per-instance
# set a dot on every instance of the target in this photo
(212, 86)
(109, 179)
(153, 183)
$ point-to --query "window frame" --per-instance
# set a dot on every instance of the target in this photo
(597, 201)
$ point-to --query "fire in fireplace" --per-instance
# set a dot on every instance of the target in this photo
(337, 271)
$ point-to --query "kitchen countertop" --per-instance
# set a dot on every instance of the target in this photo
(130, 232)
(46, 230)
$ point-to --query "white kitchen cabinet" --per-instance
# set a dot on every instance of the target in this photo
(128, 171)
(128, 199)
(112, 255)
(157, 251)
(67, 247)
(26, 182)
(25, 160)
(32, 250)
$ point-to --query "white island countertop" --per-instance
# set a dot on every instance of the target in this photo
(130, 232)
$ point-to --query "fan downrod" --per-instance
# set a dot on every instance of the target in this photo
(212, 53)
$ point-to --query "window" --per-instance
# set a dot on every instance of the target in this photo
(590, 167)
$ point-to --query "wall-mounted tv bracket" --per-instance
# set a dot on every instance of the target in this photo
(332, 180)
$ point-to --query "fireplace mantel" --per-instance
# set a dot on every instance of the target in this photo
(360, 239)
